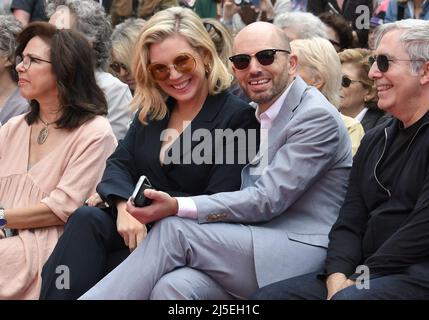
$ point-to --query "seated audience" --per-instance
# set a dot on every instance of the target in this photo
(228, 244)
(89, 18)
(358, 92)
(319, 66)
(124, 38)
(11, 101)
(378, 247)
(51, 157)
(177, 59)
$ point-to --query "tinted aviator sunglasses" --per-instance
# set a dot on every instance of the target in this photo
(264, 57)
(183, 63)
(383, 61)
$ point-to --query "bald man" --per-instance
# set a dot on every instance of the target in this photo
(227, 245)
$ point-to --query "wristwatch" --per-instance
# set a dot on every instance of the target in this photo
(3, 220)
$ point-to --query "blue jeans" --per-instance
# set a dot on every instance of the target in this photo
(413, 283)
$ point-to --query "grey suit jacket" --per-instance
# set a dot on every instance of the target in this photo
(299, 193)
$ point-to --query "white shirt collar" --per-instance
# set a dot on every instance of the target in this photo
(274, 109)
(361, 114)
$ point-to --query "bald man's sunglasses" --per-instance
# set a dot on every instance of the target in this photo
(264, 57)
(383, 61)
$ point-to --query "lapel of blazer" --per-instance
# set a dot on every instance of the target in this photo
(286, 113)
(203, 120)
(152, 146)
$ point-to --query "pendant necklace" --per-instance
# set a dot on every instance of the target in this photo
(43, 134)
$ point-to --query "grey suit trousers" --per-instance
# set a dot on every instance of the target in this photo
(222, 251)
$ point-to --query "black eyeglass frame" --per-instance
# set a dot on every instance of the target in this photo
(20, 58)
(258, 56)
(384, 60)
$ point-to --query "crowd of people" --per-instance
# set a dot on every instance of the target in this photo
(281, 138)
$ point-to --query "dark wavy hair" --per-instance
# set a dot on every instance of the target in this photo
(341, 27)
(72, 58)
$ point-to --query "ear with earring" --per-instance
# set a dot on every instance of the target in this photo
(207, 69)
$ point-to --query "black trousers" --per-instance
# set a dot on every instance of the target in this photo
(412, 284)
(89, 248)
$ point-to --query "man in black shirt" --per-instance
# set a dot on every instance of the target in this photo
(379, 245)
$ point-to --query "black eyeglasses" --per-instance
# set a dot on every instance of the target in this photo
(346, 81)
(264, 57)
(27, 60)
(383, 61)
(117, 66)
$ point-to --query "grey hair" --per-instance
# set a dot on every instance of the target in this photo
(9, 30)
(92, 21)
(305, 24)
(415, 39)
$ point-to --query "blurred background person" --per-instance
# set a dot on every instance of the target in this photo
(319, 66)
(222, 40)
(11, 101)
(339, 32)
(124, 38)
(407, 9)
(358, 92)
(89, 18)
(350, 10)
(239, 13)
(5, 7)
(27, 11)
(207, 8)
(147, 8)
(301, 25)
(52, 157)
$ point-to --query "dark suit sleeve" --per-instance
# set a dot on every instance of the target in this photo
(120, 175)
(345, 239)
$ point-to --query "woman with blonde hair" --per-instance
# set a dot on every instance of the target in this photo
(181, 92)
(319, 66)
(124, 38)
(221, 38)
(358, 93)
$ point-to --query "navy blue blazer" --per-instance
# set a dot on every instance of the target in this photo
(138, 153)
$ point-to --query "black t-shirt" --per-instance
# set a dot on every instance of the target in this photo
(36, 8)
(392, 162)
